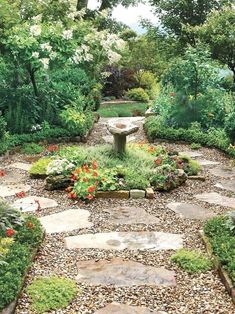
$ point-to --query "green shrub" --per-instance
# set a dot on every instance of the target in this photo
(30, 232)
(39, 168)
(191, 261)
(51, 293)
(193, 167)
(2, 127)
(138, 94)
(32, 149)
(195, 146)
(230, 126)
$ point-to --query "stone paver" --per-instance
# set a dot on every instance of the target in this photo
(137, 193)
(206, 162)
(217, 199)
(228, 185)
(67, 220)
(130, 215)
(191, 154)
(11, 176)
(123, 273)
(117, 308)
(21, 166)
(12, 189)
(126, 240)
(190, 211)
(223, 172)
(31, 203)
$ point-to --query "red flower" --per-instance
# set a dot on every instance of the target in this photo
(95, 174)
(90, 197)
(53, 148)
(21, 194)
(74, 177)
(72, 195)
(158, 162)
(10, 232)
(94, 165)
(91, 189)
(2, 173)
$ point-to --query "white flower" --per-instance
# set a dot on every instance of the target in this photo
(88, 57)
(46, 46)
(76, 58)
(45, 62)
(113, 57)
(106, 74)
(59, 166)
(81, 13)
(37, 18)
(68, 34)
(35, 54)
(35, 30)
(53, 55)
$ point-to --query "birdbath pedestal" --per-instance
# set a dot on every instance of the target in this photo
(120, 131)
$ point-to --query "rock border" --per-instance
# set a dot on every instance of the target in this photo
(10, 308)
(224, 276)
(125, 194)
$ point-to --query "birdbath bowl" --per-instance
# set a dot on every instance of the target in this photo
(120, 131)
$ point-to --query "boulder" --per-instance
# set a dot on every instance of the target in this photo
(57, 182)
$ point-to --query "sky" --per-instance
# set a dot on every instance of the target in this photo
(131, 15)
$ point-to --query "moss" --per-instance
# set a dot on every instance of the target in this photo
(39, 168)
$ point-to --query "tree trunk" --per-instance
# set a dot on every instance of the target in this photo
(82, 4)
(105, 4)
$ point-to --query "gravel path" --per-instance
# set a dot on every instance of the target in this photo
(201, 293)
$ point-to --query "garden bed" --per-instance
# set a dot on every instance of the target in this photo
(221, 251)
(20, 238)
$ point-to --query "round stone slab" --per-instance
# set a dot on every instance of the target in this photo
(228, 185)
(126, 240)
(12, 189)
(190, 154)
(21, 166)
(217, 199)
(130, 215)
(117, 308)
(123, 273)
(190, 211)
(223, 172)
(30, 204)
(67, 220)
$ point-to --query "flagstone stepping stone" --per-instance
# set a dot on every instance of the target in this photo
(21, 166)
(117, 308)
(190, 211)
(228, 185)
(67, 220)
(11, 176)
(12, 189)
(222, 171)
(31, 203)
(126, 240)
(217, 199)
(130, 215)
(123, 273)
(190, 154)
(205, 162)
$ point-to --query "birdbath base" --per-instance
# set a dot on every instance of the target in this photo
(120, 131)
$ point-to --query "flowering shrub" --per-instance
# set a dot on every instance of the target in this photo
(60, 166)
(88, 180)
(53, 149)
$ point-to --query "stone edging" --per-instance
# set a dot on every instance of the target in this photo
(123, 194)
(10, 309)
(222, 273)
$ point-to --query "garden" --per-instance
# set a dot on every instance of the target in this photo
(117, 172)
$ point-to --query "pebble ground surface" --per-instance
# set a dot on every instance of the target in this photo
(193, 294)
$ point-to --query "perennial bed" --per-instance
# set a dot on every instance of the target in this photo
(20, 238)
(84, 172)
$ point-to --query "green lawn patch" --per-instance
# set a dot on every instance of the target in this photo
(123, 110)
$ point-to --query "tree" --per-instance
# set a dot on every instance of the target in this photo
(176, 14)
(219, 33)
(107, 4)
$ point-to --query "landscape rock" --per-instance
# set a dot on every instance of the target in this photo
(190, 211)
(113, 194)
(57, 182)
(223, 172)
(137, 194)
(217, 199)
(117, 308)
(228, 185)
(12, 189)
(34, 203)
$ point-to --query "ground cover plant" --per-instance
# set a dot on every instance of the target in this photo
(20, 236)
(99, 168)
(191, 261)
(51, 293)
(122, 110)
(220, 233)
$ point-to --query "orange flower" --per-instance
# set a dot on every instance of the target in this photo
(94, 165)
(90, 197)
(91, 189)
(10, 232)
(72, 195)
(85, 180)
(68, 189)
(74, 177)
(2, 173)
(103, 179)
(21, 194)
(30, 225)
(95, 174)
(158, 162)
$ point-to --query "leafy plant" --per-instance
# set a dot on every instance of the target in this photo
(39, 168)
(30, 232)
(191, 261)
(51, 293)
(32, 149)
(9, 217)
(195, 146)
(138, 94)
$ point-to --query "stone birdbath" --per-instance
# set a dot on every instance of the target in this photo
(120, 131)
